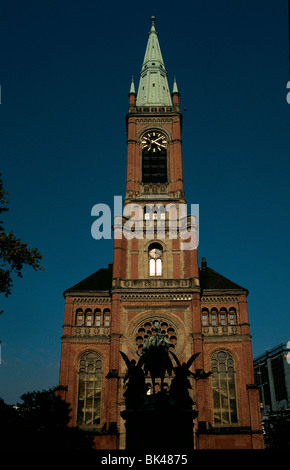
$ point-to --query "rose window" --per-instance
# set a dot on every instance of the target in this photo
(145, 331)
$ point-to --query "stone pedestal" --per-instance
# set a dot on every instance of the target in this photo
(159, 425)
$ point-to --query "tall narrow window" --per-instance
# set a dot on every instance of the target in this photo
(158, 267)
(223, 389)
(214, 316)
(89, 317)
(155, 259)
(223, 316)
(204, 316)
(154, 157)
(89, 389)
(106, 317)
(98, 317)
(79, 317)
(232, 316)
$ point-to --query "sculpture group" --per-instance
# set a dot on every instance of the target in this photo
(156, 361)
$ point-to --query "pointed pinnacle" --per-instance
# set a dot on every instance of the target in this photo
(132, 88)
(175, 89)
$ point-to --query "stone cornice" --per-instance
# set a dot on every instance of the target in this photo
(91, 299)
(219, 298)
(155, 297)
(160, 283)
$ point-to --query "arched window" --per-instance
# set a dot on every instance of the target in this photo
(79, 317)
(204, 316)
(223, 389)
(98, 317)
(89, 317)
(155, 259)
(223, 316)
(107, 317)
(154, 157)
(214, 315)
(232, 316)
(89, 389)
(154, 212)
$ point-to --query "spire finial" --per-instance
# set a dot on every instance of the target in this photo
(152, 18)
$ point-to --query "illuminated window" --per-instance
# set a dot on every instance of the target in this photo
(158, 267)
(154, 212)
(223, 389)
(155, 259)
(89, 389)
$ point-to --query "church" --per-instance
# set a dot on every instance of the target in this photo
(156, 276)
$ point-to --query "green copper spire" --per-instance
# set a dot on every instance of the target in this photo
(153, 86)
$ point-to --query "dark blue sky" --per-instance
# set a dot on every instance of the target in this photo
(66, 68)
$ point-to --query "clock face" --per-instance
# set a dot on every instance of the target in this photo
(155, 253)
(154, 141)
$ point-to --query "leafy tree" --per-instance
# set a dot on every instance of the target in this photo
(14, 253)
(40, 422)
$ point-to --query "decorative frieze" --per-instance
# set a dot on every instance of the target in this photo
(89, 331)
(149, 119)
(219, 299)
(155, 283)
(104, 340)
(92, 300)
(160, 297)
(220, 330)
(154, 109)
(154, 188)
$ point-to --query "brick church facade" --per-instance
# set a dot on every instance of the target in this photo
(153, 277)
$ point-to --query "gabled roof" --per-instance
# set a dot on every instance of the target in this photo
(211, 280)
(101, 280)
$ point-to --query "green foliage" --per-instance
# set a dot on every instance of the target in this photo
(40, 422)
(14, 253)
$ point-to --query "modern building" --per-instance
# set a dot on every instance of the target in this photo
(272, 376)
(155, 275)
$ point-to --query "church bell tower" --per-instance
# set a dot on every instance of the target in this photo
(155, 276)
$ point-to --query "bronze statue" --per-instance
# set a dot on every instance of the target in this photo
(156, 361)
(155, 357)
(136, 386)
(180, 383)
